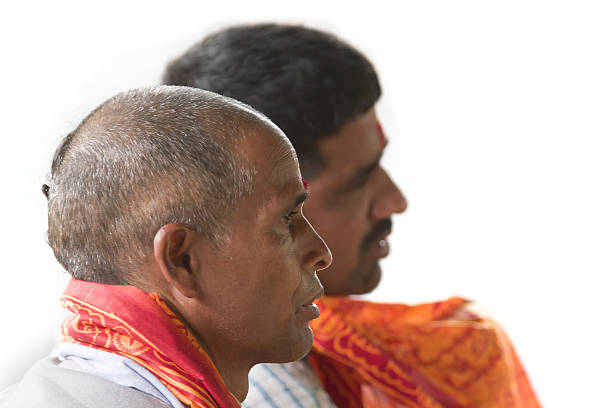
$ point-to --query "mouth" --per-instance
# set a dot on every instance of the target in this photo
(375, 243)
(317, 295)
(377, 236)
(382, 247)
(309, 310)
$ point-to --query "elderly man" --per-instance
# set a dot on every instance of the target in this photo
(178, 214)
(322, 93)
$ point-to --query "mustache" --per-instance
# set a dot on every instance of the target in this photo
(378, 230)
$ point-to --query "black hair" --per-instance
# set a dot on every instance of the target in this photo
(309, 83)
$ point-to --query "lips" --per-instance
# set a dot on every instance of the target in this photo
(375, 243)
(308, 310)
(317, 295)
(382, 247)
(378, 233)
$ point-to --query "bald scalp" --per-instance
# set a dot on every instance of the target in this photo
(143, 159)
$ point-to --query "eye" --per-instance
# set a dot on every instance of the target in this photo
(362, 180)
(288, 217)
(361, 183)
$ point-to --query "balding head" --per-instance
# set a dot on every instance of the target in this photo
(143, 159)
(197, 198)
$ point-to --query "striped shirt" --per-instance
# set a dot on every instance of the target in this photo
(292, 385)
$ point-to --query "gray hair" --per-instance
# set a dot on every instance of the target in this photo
(142, 159)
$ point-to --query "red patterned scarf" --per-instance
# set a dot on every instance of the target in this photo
(432, 355)
(126, 321)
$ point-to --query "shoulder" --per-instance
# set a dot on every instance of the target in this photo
(52, 383)
(291, 385)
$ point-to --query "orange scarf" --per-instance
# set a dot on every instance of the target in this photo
(126, 321)
(431, 355)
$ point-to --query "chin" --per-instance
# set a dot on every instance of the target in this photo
(298, 348)
(360, 282)
(375, 280)
(304, 346)
(369, 281)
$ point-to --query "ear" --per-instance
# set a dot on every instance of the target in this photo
(175, 256)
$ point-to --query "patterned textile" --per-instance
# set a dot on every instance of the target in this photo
(140, 326)
(428, 356)
(291, 385)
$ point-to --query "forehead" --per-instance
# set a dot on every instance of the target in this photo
(355, 145)
(277, 173)
(271, 154)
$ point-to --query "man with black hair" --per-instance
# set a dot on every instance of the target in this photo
(322, 93)
(176, 211)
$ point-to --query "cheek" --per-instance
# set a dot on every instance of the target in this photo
(277, 239)
(274, 300)
(343, 237)
(264, 299)
(279, 278)
(341, 228)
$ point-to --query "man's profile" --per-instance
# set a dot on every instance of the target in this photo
(322, 93)
(178, 213)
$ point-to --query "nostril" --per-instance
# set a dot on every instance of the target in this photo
(327, 259)
(318, 259)
(321, 265)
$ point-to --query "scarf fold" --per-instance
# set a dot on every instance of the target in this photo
(431, 355)
(126, 321)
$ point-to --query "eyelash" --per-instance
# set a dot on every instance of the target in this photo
(361, 183)
(364, 180)
(287, 217)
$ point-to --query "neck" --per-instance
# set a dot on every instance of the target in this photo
(235, 375)
(234, 372)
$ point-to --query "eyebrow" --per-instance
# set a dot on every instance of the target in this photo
(364, 172)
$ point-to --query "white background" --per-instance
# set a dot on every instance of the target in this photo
(499, 116)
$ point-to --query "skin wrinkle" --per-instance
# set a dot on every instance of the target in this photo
(286, 158)
(286, 192)
(283, 161)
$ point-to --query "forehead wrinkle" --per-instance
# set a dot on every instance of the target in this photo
(283, 156)
(273, 203)
(283, 160)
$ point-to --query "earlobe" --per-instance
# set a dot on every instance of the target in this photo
(172, 249)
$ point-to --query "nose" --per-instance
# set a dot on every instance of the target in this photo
(316, 255)
(388, 200)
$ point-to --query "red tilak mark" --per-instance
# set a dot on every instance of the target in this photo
(305, 183)
(382, 139)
